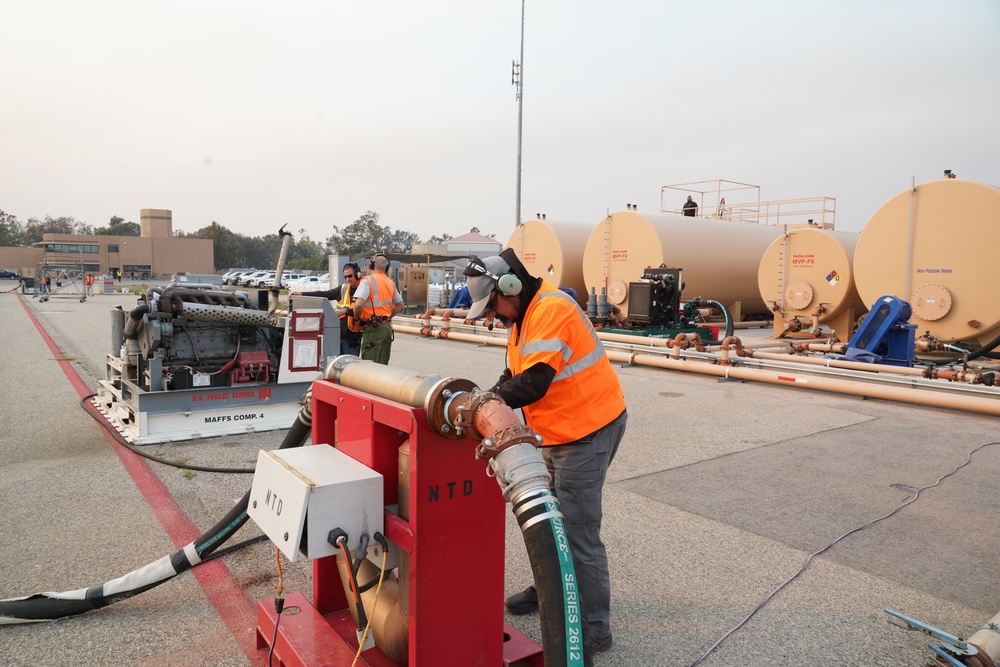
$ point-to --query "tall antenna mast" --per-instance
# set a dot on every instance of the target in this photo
(517, 77)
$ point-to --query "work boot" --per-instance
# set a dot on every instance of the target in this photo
(601, 645)
(525, 602)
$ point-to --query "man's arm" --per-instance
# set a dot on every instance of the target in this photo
(329, 295)
(526, 387)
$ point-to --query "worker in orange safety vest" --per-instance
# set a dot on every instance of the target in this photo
(376, 301)
(560, 376)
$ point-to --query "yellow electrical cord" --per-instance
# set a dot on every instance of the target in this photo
(368, 625)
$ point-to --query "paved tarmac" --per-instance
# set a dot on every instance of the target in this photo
(719, 494)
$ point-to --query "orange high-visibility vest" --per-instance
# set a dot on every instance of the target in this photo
(379, 301)
(345, 302)
(585, 394)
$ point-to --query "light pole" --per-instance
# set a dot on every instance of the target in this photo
(517, 78)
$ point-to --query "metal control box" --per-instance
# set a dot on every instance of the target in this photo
(299, 495)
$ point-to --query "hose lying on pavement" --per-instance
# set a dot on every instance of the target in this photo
(92, 410)
(51, 606)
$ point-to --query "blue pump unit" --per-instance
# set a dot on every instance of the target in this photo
(886, 335)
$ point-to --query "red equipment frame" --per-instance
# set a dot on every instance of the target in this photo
(454, 539)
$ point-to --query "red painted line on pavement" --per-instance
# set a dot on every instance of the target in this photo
(236, 610)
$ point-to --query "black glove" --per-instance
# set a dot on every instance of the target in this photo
(504, 377)
(525, 388)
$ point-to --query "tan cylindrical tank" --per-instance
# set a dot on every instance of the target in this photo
(806, 277)
(719, 258)
(553, 250)
(936, 247)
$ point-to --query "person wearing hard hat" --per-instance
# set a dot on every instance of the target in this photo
(560, 376)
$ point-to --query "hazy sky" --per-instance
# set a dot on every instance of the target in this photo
(256, 114)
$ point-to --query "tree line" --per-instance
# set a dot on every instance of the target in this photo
(363, 236)
(17, 234)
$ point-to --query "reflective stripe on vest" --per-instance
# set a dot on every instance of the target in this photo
(377, 305)
(345, 297)
(585, 394)
(580, 364)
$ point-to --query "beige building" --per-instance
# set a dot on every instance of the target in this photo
(155, 252)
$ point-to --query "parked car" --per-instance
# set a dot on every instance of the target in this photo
(241, 277)
(262, 279)
(229, 277)
(12, 275)
(250, 279)
(306, 284)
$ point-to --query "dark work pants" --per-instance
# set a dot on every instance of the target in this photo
(578, 471)
(376, 343)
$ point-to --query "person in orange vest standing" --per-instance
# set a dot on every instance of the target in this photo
(89, 280)
(560, 377)
(376, 301)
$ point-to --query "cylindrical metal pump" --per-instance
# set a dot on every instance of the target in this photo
(719, 257)
(603, 307)
(935, 246)
(395, 384)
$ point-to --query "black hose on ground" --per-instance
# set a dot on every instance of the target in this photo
(986, 350)
(983, 351)
(96, 414)
(52, 606)
(234, 547)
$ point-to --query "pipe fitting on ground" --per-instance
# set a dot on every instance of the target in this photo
(731, 343)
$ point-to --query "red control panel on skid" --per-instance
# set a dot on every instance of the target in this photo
(453, 538)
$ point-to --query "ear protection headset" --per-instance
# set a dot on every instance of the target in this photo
(507, 283)
(371, 262)
(355, 269)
